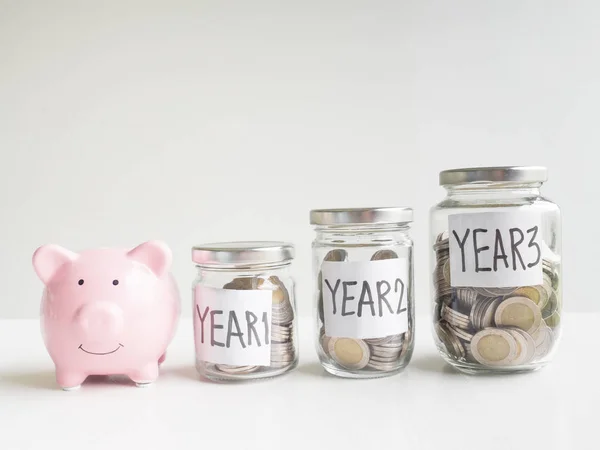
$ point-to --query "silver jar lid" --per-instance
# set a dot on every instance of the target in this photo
(357, 216)
(242, 253)
(518, 174)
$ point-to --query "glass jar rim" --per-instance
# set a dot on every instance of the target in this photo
(498, 174)
(362, 216)
(243, 254)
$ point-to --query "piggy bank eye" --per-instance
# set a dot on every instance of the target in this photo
(80, 282)
(115, 282)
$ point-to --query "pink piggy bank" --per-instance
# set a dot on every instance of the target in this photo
(107, 311)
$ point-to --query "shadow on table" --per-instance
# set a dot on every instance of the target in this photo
(313, 369)
(33, 380)
(47, 380)
(431, 363)
(189, 373)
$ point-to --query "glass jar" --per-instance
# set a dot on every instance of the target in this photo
(496, 254)
(363, 271)
(244, 310)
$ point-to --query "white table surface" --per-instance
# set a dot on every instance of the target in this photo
(428, 406)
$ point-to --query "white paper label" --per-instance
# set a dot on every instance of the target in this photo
(495, 249)
(233, 326)
(365, 299)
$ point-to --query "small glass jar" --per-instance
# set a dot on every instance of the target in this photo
(363, 271)
(496, 254)
(244, 310)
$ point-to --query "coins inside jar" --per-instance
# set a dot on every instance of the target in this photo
(382, 354)
(495, 326)
(283, 349)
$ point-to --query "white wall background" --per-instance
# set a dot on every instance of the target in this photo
(197, 121)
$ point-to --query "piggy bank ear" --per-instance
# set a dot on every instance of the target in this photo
(155, 255)
(49, 258)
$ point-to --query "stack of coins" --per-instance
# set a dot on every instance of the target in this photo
(376, 354)
(283, 351)
(495, 327)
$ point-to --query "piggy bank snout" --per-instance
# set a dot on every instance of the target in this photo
(100, 320)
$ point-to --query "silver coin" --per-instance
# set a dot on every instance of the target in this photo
(339, 255)
(281, 364)
(460, 333)
(466, 298)
(231, 369)
(392, 339)
(453, 345)
(385, 354)
(384, 254)
(383, 367)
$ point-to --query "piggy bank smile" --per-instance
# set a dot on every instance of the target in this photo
(100, 353)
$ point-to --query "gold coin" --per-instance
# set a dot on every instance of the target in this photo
(494, 347)
(525, 344)
(350, 353)
(518, 312)
(530, 292)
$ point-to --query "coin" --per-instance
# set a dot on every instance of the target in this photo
(455, 318)
(544, 342)
(551, 306)
(465, 298)
(385, 352)
(282, 317)
(339, 255)
(245, 283)
(525, 346)
(446, 271)
(494, 347)
(324, 341)
(460, 333)
(553, 321)
(519, 312)
(531, 346)
(383, 254)
(531, 292)
(453, 345)
(349, 353)
(230, 369)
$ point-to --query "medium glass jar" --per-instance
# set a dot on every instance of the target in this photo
(244, 310)
(363, 271)
(496, 254)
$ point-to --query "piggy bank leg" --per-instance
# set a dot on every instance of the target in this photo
(145, 375)
(69, 380)
(162, 359)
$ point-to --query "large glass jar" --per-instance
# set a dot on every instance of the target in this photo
(244, 310)
(363, 272)
(496, 254)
